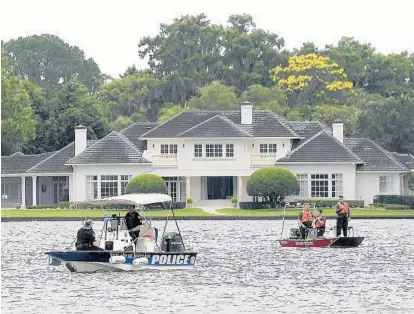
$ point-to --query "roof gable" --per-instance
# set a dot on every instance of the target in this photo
(215, 126)
(265, 124)
(306, 129)
(113, 148)
(374, 156)
(20, 163)
(321, 148)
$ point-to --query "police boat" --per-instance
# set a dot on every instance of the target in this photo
(119, 251)
(313, 240)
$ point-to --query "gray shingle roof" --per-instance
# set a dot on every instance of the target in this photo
(20, 163)
(265, 124)
(405, 159)
(306, 129)
(134, 131)
(113, 148)
(56, 163)
(374, 156)
(320, 148)
(215, 126)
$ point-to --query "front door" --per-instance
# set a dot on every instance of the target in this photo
(219, 187)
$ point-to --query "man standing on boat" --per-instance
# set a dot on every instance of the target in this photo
(85, 239)
(133, 221)
(343, 214)
(305, 220)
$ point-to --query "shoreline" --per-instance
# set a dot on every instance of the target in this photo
(221, 217)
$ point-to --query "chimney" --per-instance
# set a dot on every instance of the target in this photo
(246, 113)
(338, 130)
(80, 139)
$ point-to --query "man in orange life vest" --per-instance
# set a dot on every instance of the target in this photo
(320, 223)
(343, 214)
(305, 220)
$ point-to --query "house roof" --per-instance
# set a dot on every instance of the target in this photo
(113, 148)
(306, 129)
(215, 126)
(20, 163)
(320, 148)
(374, 156)
(265, 124)
(405, 159)
(56, 163)
(134, 131)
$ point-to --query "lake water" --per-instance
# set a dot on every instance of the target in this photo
(240, 269)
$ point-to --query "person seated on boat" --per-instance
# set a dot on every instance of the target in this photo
(133, 222)
(85, 239)
(305, 220)
(319, 223)
(343, 214)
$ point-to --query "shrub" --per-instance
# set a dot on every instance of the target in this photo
(41, 207)
(273, 184)
(233, 200)
(395, 206)
(64, 205)
(178, 205)
(330, 203)
(146, 183)
(189, 200)
(253, 205)
(381, 200)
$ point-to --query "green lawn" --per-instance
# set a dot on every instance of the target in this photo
(70, 213)
(326, 212)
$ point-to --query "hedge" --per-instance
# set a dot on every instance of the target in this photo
(330, 203)
(381, 200)
(146, 183)
(395, 206)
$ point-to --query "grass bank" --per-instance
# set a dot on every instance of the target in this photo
(329, 212)
(71, 213)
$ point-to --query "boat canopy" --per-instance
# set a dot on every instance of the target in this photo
(130, 199)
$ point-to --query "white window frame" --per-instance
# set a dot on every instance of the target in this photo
(383, 184)
(229, 150)
(123, 182)
(303, 179)
(109, 185)
(168, 149)
(198, 150)
(176, 188)
(214, 150)
(268, 148)
(91, 185)
(326, 194)
(337, 183)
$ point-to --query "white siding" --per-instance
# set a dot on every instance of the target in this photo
(368, 185)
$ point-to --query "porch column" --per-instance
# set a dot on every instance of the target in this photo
(119, 185)
(187, 188)
(239, 189)
(34, 190)
(23, 188)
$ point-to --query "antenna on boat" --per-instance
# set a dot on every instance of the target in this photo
(283, 223)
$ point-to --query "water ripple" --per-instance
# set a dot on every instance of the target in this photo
(240, 269)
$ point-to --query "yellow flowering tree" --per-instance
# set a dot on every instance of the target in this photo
(311, 79)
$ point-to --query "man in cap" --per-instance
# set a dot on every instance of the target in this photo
(133, 222)
(85, 239)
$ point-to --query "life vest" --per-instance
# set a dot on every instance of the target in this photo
(306, 216)
(343, 208)
(319, 223)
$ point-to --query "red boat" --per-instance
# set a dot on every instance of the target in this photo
(312, 240)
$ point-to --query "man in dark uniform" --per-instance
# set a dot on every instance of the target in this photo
(133, 221)
(85, 239)
(343, 214)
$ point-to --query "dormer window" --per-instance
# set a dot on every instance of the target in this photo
(168, 149)
(268, 148)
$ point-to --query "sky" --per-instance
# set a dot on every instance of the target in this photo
(109, 31)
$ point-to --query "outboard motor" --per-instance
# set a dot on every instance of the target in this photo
(172, 242)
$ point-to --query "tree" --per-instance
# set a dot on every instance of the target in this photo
(265, 98)
(411, 182)
(215, 96)
(311, 79)
(18, 124)
(47, 61)
(273, 184)
(146, 183)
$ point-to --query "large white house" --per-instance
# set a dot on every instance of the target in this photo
(208, 155)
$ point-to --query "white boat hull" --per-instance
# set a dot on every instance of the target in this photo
(93, 267)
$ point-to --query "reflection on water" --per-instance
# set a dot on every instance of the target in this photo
(240, 269)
